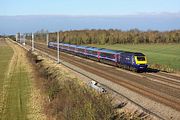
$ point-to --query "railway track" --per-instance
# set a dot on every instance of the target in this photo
(156, 86)
(166, 81)
(164, 90)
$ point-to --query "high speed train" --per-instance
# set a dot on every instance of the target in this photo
(134, 61)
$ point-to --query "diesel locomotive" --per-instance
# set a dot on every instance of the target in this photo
(134, 61)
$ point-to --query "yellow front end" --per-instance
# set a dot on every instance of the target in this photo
(140, 60)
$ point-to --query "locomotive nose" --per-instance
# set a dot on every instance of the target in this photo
(140, 60)
(141, 63)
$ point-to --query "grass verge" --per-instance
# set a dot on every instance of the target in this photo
(17, 96)
(6, 54)
(15, 88)
(18, 91)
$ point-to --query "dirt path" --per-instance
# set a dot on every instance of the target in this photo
(21, 99)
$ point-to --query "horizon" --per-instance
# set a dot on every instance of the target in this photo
(53, 23)
(105, 15)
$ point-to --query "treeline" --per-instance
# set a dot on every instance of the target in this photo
(110, 36)
(116, 36)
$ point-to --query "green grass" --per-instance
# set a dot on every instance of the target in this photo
(14, 87)
(17, 95)
(162, 54)
(5, 57)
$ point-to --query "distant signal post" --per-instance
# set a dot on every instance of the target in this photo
(16, 37)
(24, 39)
(32, 42)
(20, 37)
(58, 60)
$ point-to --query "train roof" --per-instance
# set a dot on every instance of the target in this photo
(52, 42)
(82, 46)
(72, 45)
(139, 54)
(101, 49)
(93, 48)
(135, 53)
(65, 44)
(110, 51)
(55, 43)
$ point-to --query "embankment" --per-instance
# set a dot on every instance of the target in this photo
(69, 98)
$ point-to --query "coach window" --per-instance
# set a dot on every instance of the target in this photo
(81, 50)
(110, 56)
(103, 55)
(141, 58)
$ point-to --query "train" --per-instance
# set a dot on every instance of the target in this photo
(133, 61)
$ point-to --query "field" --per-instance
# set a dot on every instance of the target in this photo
(5, 57)
(167, 55)
(15, 84)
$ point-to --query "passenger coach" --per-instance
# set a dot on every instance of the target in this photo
(128, 60)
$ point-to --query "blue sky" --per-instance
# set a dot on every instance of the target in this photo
(87, 7)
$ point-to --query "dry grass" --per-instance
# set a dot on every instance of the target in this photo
(70, 99)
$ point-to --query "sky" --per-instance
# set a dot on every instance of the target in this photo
(87, 7)
(54, 15)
